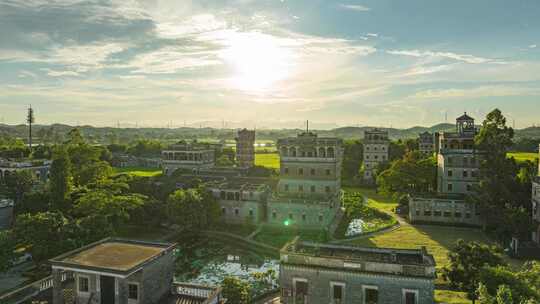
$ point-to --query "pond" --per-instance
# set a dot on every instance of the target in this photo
(208, 262)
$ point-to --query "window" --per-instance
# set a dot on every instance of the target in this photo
(274, 214)
(300, 291)
(223, 210)
(473, 173)
(291, 216)
(337, 292)
(328, 172)
(469, 187)
(236, 212)
(417, 212)
(457, 214)
(449, 160)
(437, 213)
(251, 212)
(450, 173)
(371, 294)
(468, 215)
(320, 218)
(327, 189)
(83, 284)
(286, 188)
(303, 217)
(465, 174)
(301, 171)
(133, 291)
(376, 156)
(427, 213)
(367, 156)
(447, 214)
(450, 187)
(286, 171)
(312, 188)
(410, 296)
(300, 188)
(312, 171)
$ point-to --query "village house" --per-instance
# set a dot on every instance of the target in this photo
(115, 271)
(308, 193)
(312, 273)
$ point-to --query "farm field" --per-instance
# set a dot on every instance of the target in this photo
(523, 156)
(139, 171)
(269, 160)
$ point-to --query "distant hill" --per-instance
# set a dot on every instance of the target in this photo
(106, 135)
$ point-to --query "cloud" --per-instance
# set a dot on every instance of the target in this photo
(478, 92)
(355, 7)
(532, 46)
(445, 55)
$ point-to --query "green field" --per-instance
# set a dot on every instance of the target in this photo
(451, 297)
(269, 160)
(139, 171)
(523, 156)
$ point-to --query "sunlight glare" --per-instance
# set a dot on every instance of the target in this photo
(258, 59)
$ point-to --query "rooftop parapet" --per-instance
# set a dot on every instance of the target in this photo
(402, 262)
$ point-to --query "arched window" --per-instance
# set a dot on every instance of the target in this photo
(293, 151)
(322, 152)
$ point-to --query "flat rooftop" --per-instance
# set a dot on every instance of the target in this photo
(113, 255)
(418, 257)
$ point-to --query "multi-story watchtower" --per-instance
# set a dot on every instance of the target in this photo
(426, 143)
(376, 146)
(458, 161)
(245, 148)
(309, 189)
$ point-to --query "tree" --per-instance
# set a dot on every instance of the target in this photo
(44, 234)
(235, 290)
(18, 183)
(520, 288)
(412, 174)
(498, 181)
(186, 208)
(466, 261)
(352, 158)
(60, 182)
(7, 250)
(33, 202)
(115, 207)
(75, 137)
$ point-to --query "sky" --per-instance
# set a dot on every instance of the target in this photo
(268, 63)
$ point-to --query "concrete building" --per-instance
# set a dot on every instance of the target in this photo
(536, 206)
(458, 163)
(6, 213)
(321, 274)
(123, 272)
(38, 168)
(187, 156)
(376, 146)
(426, 143)
(241, 202)
(308, 194)
(245, 148)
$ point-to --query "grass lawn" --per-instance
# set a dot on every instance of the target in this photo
(139, 171)
(278, 237)
(269, 160)
(373, 214)
(451, 297)
(523, 156)
(437, 239)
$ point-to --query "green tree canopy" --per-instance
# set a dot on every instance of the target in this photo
(235, 290)
(60, 182)
(466, 262)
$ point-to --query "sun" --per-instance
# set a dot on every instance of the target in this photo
(259, 61)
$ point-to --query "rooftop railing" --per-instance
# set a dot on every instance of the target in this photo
(31, 290)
